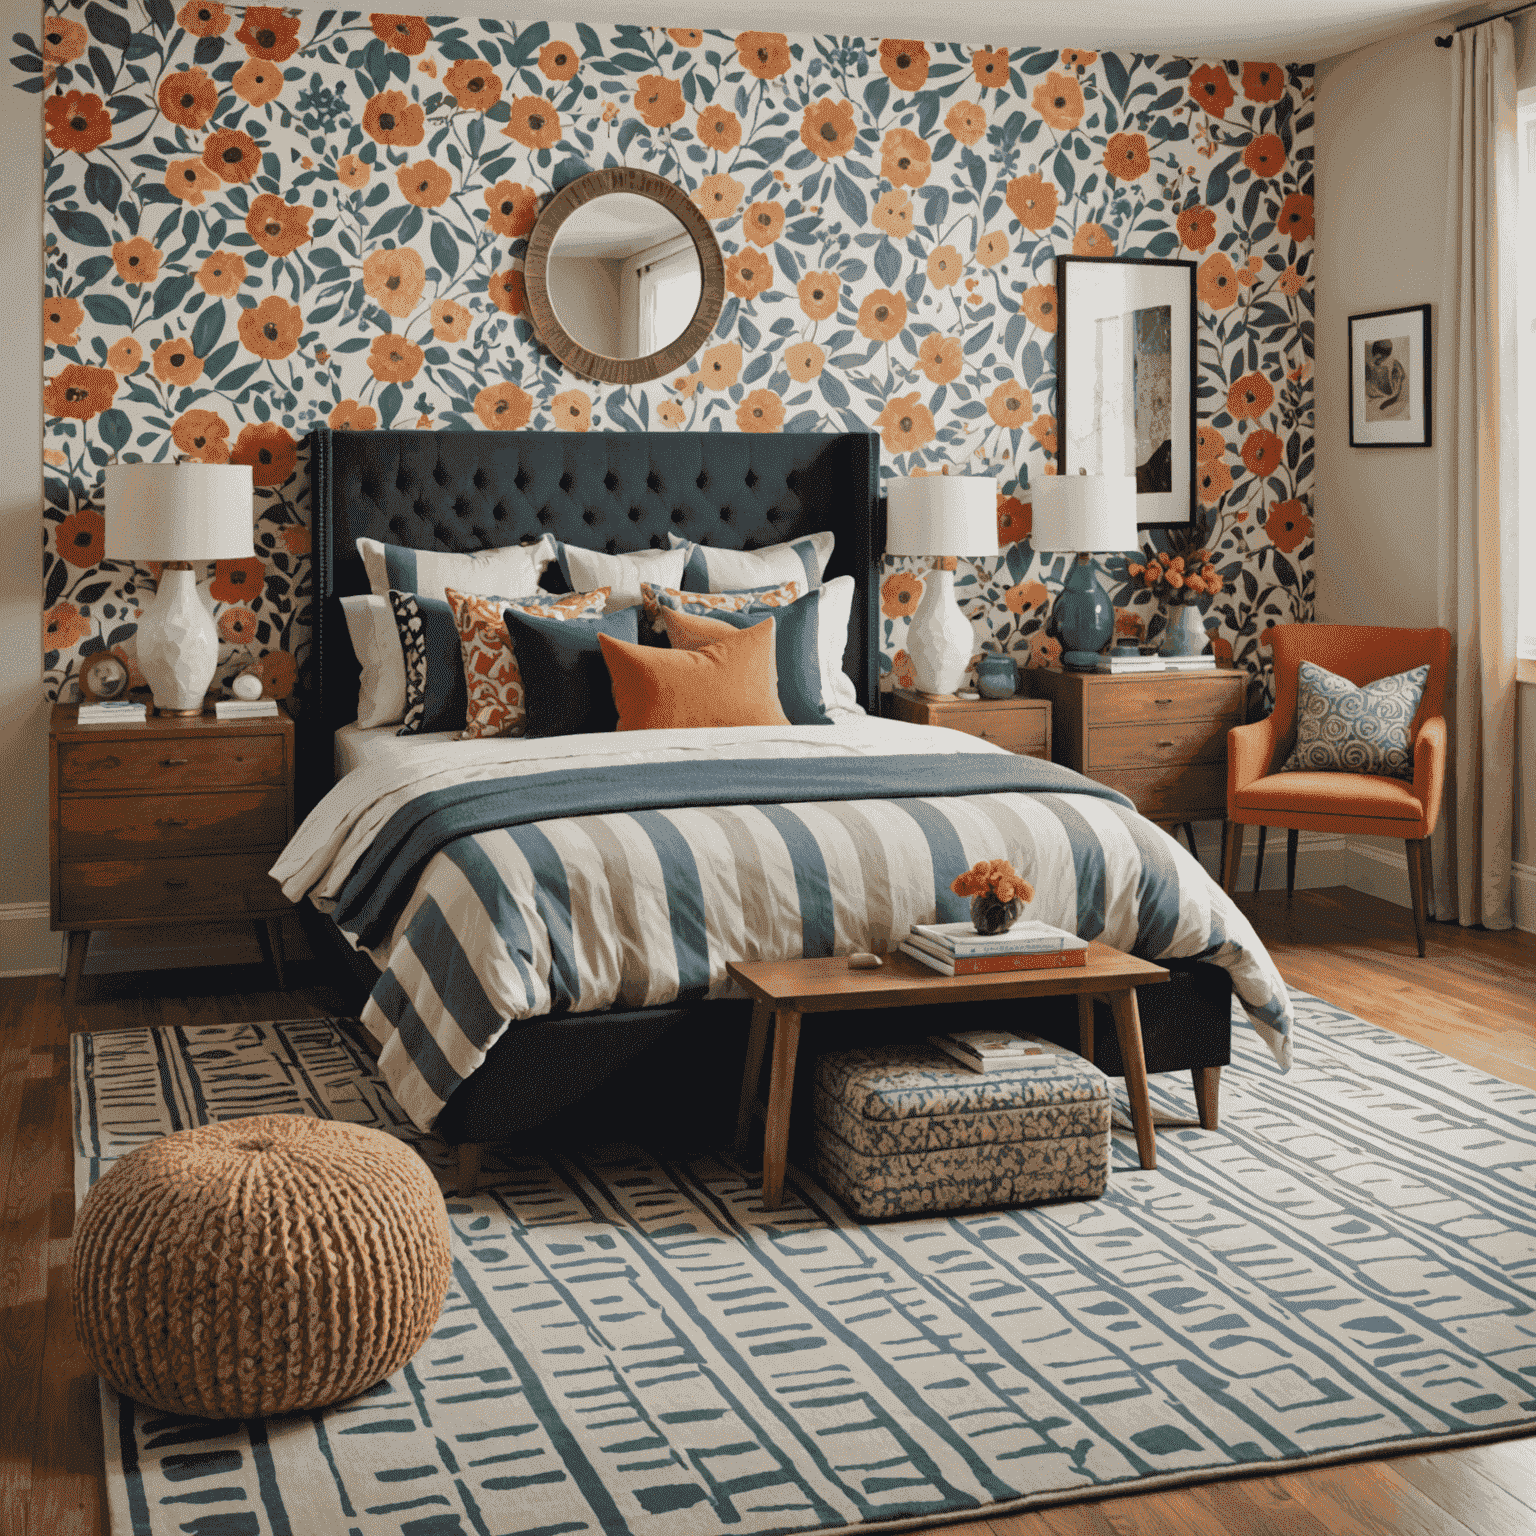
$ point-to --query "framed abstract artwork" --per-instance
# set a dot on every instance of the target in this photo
(1389, 379)
(1125, 378)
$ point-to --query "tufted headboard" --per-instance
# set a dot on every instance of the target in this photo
(614, 491)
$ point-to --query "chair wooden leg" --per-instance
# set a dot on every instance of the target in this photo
(1415, 847)
(1232, 833)
(1258, 863)
(469, 1169)
(752, 1073)
(1188, 828)
(1292, 836)
(1427, 859)
(781, 1087)
(1207, 1093)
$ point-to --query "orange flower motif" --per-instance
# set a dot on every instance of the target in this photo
(475, 85)
(1250, 397)
(63, 40)
(764, 54)
(269, 33)
(271, 330)
(394, 360)
(762, 223)
(720, 366)
(175, 363)
(136, 260)
(1221, 648)
(572, 411)
(1059, 100)
(945, 266)
(901, 670)
(352, 172)
(1126, 157)
(1038, 305)
(1210, 88)
(1044, 650)
(882, 315)
(238, 580)
(990, 66)
(893, 214)
(1262, 452)
(904, 62)
(404, 34)
(237, 625)
(904, 158)
(827, 128)
(202, 18)
(1015, 519)
(202, 435)
(1295, 217)
(60, 317)
(719, 196)
(1217, 282)
(258, 82)
(232, 155)
(940, 358)
(819, 293)
(221, 274)
(905, 424)
(671, 413)
(279, 673)
(64, 627)
(967, 121)
(507, 291)
(991, 248)
(1092, 240)
(1196, 226)
(1010, 404)
(503, 407)
(1212, 481)
(659, 101)
(1209, 444)
(349, 416)
(450, 321)
(1265, 155)
(279, 228)
(761, 411)
(125, 356)
(900, 594)
(425, 184)
(1078, 58)
(718, 128)
(77, 121)
(81, 538)
(1032, 200)
(805, 360)
(748, 274)
(189, 180)
(295, 537)
(1026, 595)
(1291, 282)
(559, 61)
(188, 97)
(1263, 82)
(686, 37)
(1287, 525)
(534, 123)
(513, 207)
(394, 280)
(1043, 430)
(392, 117)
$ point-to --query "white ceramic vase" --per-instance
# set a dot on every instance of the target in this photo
(178, 644)
(940, 640)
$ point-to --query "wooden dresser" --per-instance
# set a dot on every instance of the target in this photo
(175, 821)
(1019, 724)
(1160, 739)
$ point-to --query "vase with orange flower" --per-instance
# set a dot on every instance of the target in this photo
(1181, 576)
(998, 893)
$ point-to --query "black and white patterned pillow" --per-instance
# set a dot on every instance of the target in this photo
(435, 695)
(1344, 729)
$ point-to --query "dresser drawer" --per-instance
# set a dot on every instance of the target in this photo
(1179, 792)
(1144, 699)
(112, 890)
(1019, 730)
(1147, 746)
(106, 827)
(162, 763)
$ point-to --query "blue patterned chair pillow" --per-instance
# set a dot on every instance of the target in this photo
(1344, 729)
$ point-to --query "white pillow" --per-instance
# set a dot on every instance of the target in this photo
(837, 690)
(429, 573)
(376, 642)
(588, 569)
(732, 570)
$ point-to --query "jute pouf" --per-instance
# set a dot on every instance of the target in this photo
(259, 1266)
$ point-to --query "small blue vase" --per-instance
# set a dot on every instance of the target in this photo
(997, 676)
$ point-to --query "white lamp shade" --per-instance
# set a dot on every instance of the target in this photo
(178, 512)
(1084, 514)
(941, 515)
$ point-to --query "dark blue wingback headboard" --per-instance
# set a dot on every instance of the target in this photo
(614, 491)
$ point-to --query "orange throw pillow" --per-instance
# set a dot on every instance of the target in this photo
(731, 681)
(692, 631)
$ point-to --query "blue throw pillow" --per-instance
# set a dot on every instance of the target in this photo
(566, 687)
(1344, 729)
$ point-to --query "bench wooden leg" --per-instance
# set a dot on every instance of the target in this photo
(752, 1073)
(469, 1169)
(1231, 853)
(1128, 1027)
(781, 1087)
(79, 942)
(1207, 1093)
(1085, 1026)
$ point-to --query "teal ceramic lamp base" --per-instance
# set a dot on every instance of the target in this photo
(1083, 617)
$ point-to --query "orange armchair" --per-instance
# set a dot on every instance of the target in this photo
(1259, 795)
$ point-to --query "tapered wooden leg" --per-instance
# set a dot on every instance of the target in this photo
(1258, 863)
(1207, 1093)
(1188, 828)
(1128, 1027)
(469, 1169)
(781, 1087)
(1292, 837)
(752, 1073)
(79, 942)
(1232, 833)
(1427, 859)
(269, 934)
(1085, 1027)
(1415, 848)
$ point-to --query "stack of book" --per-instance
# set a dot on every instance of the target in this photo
(1117, 664)
(1190, 663)
(956, 949)
(244, 709)
(113, 712)
(989, 1050)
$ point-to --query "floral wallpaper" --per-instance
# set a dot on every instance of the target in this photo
(259, 220)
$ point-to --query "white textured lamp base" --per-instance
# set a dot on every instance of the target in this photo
(940, 641)
(178, 644)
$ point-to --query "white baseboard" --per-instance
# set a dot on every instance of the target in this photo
(1525, 897)
(27, 946)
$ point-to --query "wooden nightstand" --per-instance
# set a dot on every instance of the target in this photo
(1160, 739)
(172, 822)
(1019, 724)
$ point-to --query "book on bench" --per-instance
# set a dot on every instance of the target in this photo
(986, 965)
(1025, 937)
(984, 1050)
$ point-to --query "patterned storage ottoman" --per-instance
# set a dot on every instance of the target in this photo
(904, 1129)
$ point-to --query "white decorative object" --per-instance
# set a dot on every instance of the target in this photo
(1084, 514)
(180, 514)
(944, 516)
(247, 686)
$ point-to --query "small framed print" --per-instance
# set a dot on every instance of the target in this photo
(1389, 378)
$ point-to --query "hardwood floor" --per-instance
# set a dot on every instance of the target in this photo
(1474, 997)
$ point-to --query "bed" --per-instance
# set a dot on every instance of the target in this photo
(543, 914)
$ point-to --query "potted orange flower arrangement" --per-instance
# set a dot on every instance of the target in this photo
(998, 893)
(1181, 577)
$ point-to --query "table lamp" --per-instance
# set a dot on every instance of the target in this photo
(944, 516)
(1084, 515)
(181, 515)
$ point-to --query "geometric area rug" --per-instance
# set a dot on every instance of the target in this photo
(632, 1345)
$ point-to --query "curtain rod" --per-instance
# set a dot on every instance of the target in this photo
(1515, 10)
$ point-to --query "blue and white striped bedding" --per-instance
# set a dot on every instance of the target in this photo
(632, 908)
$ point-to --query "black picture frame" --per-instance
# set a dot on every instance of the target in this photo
(1391, 396)
(1086, 293)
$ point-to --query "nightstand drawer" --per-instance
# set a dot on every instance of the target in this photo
(226, 885)
(1179, 792)
(1167, 697)
(99, 828)
(1147, 746)
(161, 763)
(1024, 731)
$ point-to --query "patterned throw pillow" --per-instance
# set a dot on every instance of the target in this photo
(434, 674)
(655, 598)
(491, 675)
(1344, 729)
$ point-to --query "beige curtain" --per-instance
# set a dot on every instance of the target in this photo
(1477, 424)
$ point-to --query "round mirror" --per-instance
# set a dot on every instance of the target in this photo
(624, 277)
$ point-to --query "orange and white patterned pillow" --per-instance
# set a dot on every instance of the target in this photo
(491, 676)
(656, 598)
